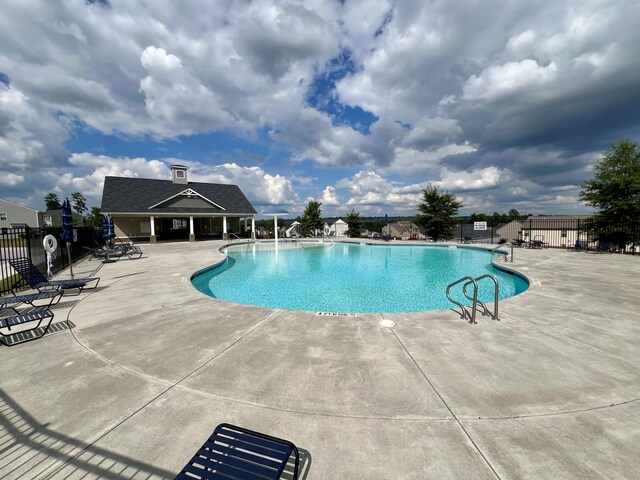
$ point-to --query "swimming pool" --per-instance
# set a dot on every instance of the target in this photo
(351, 277)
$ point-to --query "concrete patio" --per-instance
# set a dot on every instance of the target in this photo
(147, 366)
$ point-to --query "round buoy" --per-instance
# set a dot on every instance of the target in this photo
(50, 244)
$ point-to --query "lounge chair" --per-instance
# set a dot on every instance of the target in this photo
(518, 242)
(580, 245)
(538, 242)
(52, 296)
(233, 452)
(27, 320)
(117, 251)
(32, 277)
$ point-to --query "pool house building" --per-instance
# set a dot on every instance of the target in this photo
(152, 209)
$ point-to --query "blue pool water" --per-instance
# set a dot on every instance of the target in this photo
(343, 277)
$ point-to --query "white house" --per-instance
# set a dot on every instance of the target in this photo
(294, 229)
(339, 228)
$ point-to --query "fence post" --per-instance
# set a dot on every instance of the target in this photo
(492, 229)
(27, 234)
(635, 235)
(461, 229)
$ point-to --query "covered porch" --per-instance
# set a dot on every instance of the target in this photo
(183, 227)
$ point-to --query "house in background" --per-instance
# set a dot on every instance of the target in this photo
(53, 218)
(176, 209)
(403, 230)
(14, 214)
(339, 228)
(295, 229)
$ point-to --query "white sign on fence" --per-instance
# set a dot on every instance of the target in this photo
(479, 225)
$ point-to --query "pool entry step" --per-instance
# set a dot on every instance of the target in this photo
(464, 311)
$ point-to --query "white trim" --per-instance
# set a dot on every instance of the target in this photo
(19, 205)
(177, 214)
(190, 192)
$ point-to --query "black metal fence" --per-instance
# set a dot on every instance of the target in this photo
(587, 233)
(28, 242)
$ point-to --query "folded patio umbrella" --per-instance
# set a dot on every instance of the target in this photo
(67, 229)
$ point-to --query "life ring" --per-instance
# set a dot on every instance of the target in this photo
(50, 244)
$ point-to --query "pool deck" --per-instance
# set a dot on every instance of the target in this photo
(150, 366)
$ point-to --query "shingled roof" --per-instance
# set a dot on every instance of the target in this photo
(143, 195)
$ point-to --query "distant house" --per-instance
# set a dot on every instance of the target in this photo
(152, 209)
(403, 230)
(53, 218)
(295, 229)
(339, 228)
(14, 214)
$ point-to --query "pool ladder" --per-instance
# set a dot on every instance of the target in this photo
(464, 311)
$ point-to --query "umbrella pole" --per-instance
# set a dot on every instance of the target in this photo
(70, 261)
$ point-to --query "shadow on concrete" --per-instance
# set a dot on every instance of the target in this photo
(29, 448)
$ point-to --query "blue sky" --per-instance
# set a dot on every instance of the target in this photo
(358, 104)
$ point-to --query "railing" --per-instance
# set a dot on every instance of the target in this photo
(496, 293)
(506, 256)
(623, 236)
(464, 311)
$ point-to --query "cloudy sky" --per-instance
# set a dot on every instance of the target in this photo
(358, 104)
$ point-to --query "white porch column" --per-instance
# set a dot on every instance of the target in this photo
(152, 222)
(192, 236)
(253, 228)
(225, 235)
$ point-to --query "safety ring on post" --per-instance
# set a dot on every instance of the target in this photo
(50, 244)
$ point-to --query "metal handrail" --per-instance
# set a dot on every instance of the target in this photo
(463, 311)
(506, 256)
(496, 294)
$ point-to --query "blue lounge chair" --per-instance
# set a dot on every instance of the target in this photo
(53, 297)
(32, 277)
(36, 319)
(233, 452)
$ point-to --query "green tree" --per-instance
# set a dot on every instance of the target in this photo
(615, 188)
(513, 214)
(94, 219)
(355, 224)
(478, 217)
(311, 219)
(79, 202)
(52, 201)
(438, 213)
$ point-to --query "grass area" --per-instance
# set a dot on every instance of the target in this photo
(7, 283)
(12, 242)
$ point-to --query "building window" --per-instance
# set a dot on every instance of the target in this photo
(3, 216)
(563, 233)
(179, 224)
(179, 174)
